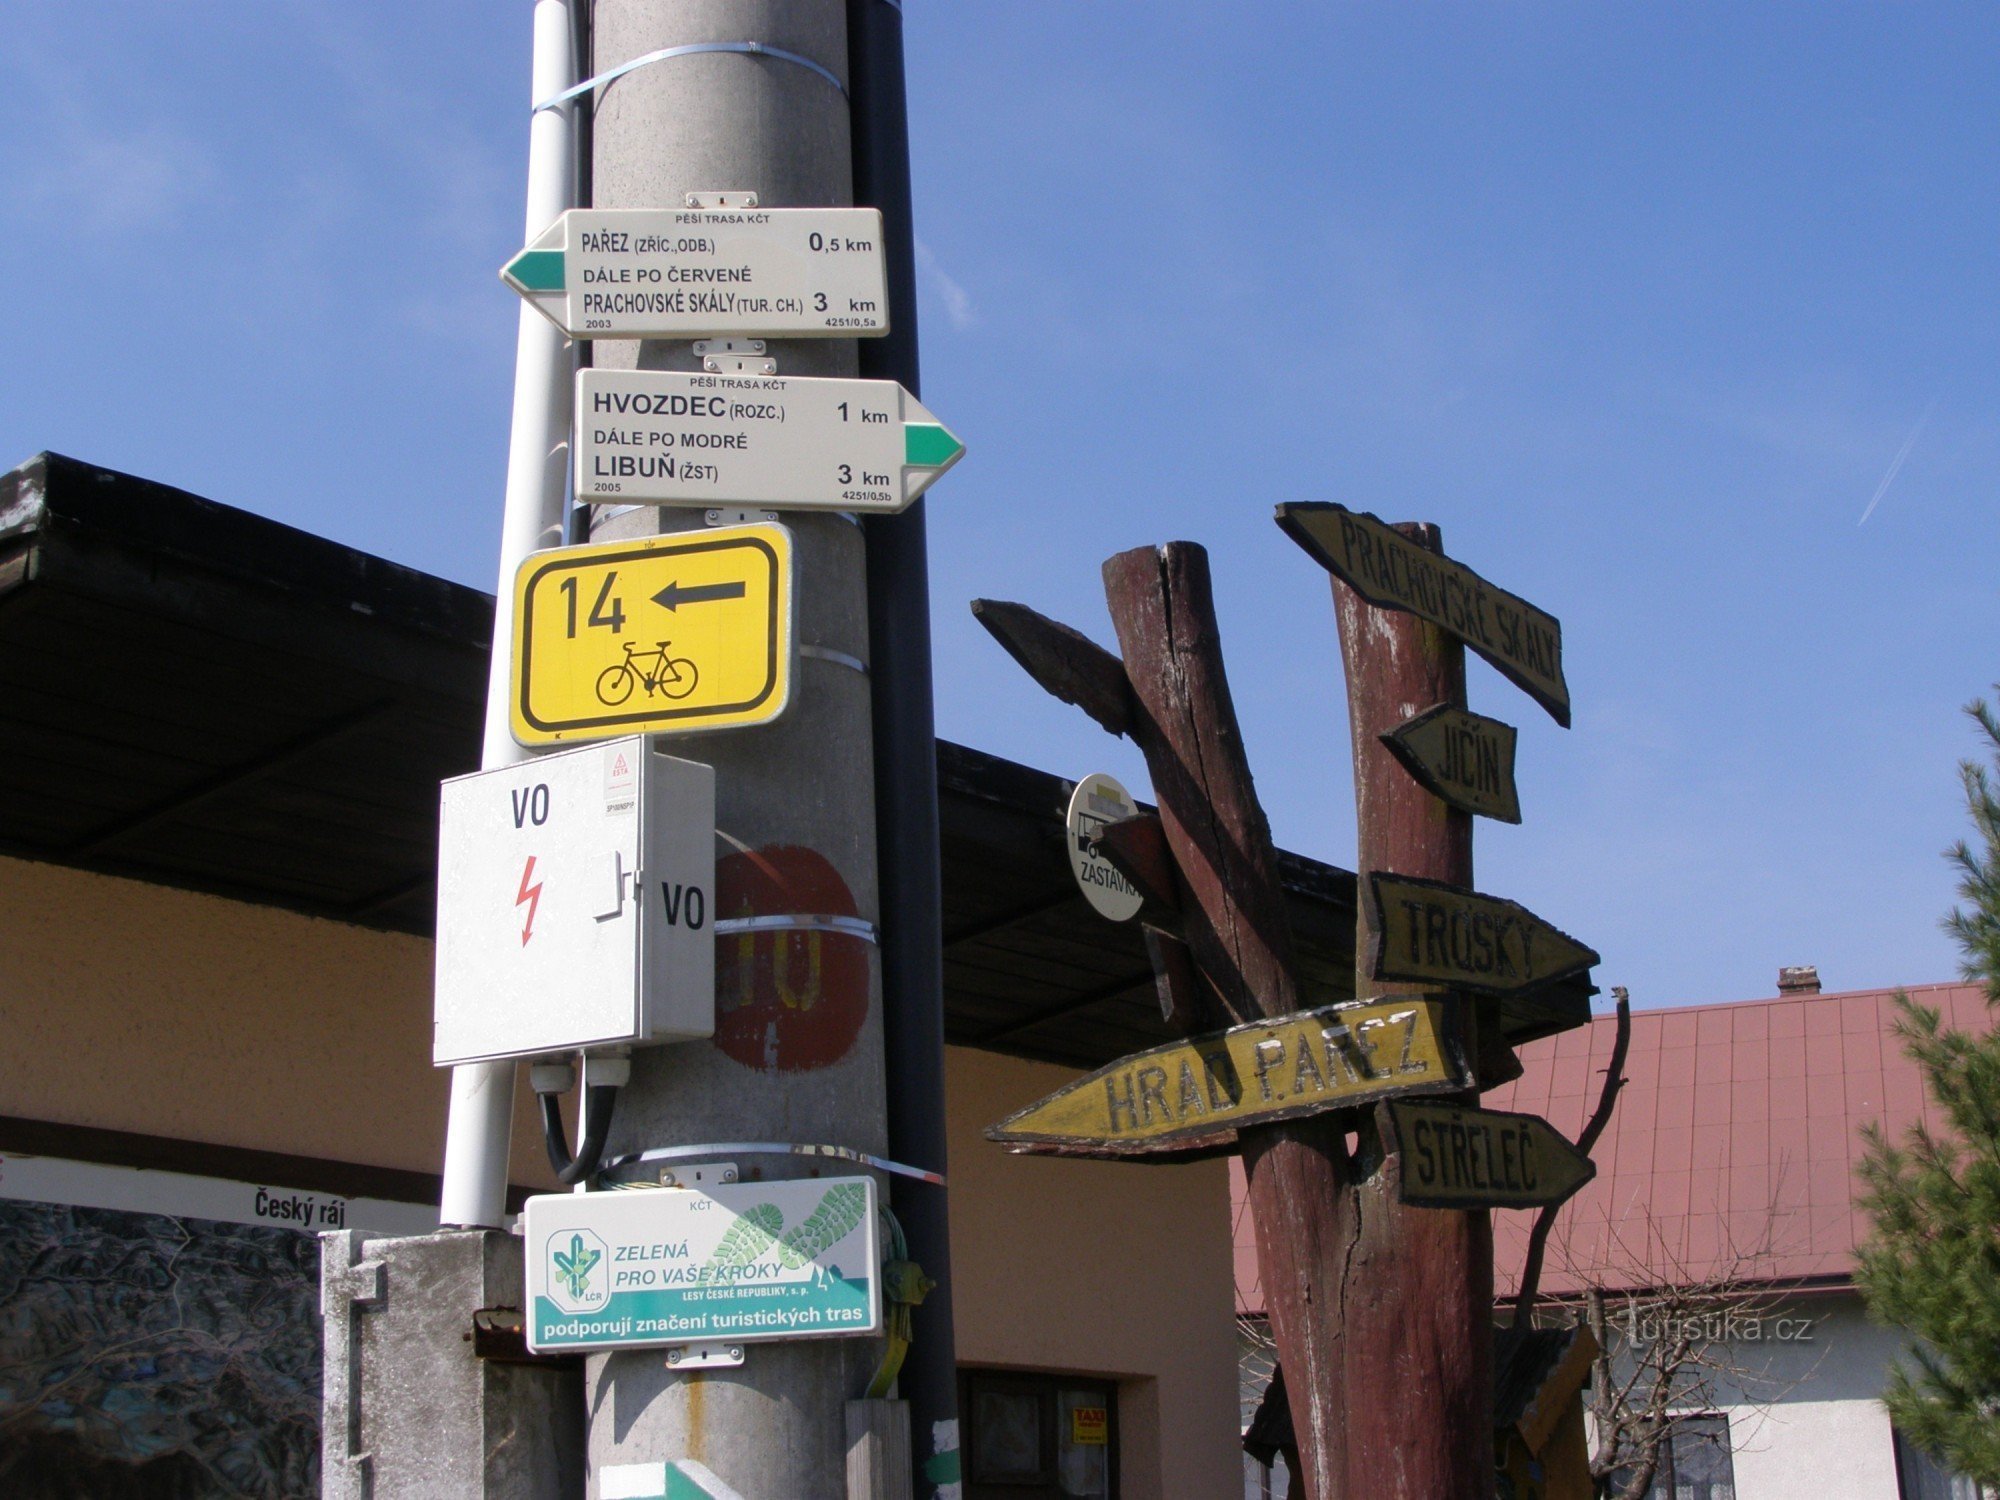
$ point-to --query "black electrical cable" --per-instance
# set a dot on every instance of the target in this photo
(576, 520)
(599, 1100)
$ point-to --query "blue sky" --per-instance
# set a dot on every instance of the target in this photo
(1646, 306)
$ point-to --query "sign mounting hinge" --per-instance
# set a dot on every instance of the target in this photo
(704, 1356)
(714, 199)
(735, 357)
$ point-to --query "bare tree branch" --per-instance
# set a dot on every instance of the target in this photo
(1538, 1237)
(1668, 1345)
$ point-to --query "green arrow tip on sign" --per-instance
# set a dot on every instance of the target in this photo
(688, 1480)
(535, 271)
(929, 446)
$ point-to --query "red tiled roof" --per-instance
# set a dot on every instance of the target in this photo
(1733, 1146)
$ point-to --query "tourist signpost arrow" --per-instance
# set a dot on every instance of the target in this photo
(1454, 1156)
(1390, 571)
(669, 437)
(1465, 758)
(695, 273)
(1428, 932)
(687, 631)
(675, 1479)
(1196, 1094)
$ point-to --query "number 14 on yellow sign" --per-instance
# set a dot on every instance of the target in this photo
(655, 635)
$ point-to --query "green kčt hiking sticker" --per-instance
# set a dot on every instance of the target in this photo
(750, 1261)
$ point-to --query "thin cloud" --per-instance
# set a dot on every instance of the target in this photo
(1896, 463)
(120, 181)
(87, 160)
(957, 301)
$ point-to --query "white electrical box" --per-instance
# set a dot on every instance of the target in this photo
(576, 904)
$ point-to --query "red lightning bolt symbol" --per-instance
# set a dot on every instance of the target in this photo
(532, 894)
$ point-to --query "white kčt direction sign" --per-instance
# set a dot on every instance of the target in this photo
(668, 437)
(682, 273)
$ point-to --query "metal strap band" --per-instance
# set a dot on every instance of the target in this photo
(798, 921)
(753, 49)
(838, 658)
(775, 1148)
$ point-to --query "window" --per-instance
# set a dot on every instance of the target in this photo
(1038, 1437)
(1694, 1464)
(1921, 1477)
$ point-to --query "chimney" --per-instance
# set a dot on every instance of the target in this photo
(1798, 979)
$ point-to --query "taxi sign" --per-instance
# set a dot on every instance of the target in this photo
(653, 635)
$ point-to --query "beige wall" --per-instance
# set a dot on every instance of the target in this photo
(1098, 1268)
(142, 1008)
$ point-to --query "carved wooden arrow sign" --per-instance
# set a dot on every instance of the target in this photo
(1392, 572)
(1454, 1156)
(1197, 1093)
(1465, 758)
(1427, 932)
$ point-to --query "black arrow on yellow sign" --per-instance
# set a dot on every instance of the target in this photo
(675, 594)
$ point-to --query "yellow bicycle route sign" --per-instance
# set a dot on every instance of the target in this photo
(653, 635)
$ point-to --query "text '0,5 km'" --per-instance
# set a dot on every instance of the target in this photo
(1196, 1094)
(665, 273)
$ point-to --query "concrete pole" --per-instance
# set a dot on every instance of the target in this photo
(808, 1003)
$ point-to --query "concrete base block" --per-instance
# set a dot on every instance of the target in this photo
(416, 1403)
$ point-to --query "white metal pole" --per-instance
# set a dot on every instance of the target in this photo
(482, 1094)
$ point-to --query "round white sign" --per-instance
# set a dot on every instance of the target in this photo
(1097, 802)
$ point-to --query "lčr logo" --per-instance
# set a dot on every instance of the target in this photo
(574, 1284)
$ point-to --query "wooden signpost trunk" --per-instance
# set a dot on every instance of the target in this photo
(1237, 933)
(1413, 1287)
(1381, 1308)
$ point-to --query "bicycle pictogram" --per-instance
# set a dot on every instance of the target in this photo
(669, 676)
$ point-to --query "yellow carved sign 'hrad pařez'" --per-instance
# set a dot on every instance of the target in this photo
(654, 635)
(1196, 1094)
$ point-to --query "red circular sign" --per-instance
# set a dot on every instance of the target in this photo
(788, 1001)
